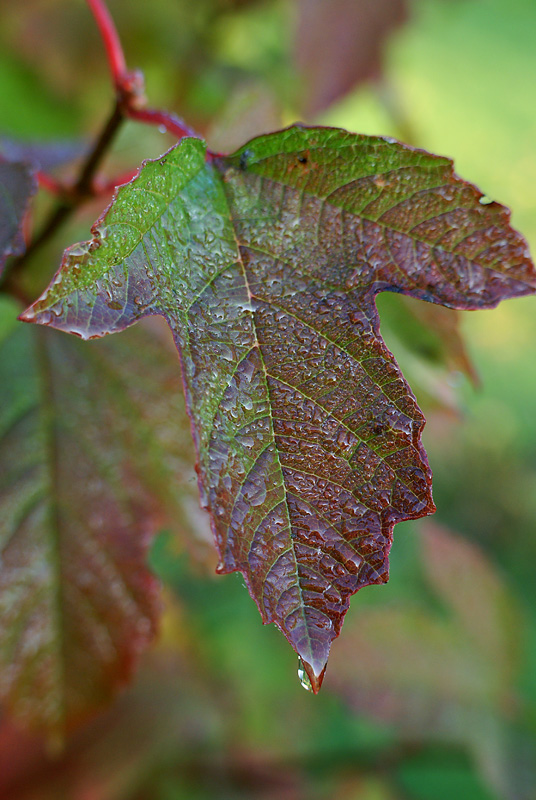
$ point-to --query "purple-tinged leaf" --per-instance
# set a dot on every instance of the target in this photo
(17, 185)
(42, 154)
(340, 44)
(447, 676)
(93, 447)
(166, 711)
(266, 265)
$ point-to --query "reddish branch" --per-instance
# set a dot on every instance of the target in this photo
(129, 85)
(111, 41)
(164, 119)
(49, 183)
(129, 104)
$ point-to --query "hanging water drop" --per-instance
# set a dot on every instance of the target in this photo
(304, 677)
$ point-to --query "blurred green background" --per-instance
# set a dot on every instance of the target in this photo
(431, 690)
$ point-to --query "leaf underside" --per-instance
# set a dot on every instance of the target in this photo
(266, 265)
(17, 185)
(83, 481)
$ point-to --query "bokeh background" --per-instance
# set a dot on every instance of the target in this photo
(430, 693)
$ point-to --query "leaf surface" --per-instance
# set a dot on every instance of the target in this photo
(17, 185)
(93, 453)
(266, 264)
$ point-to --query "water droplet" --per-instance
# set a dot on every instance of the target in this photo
(304, 677)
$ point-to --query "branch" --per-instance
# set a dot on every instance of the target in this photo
(83, 187)
(129, 104)
(171, 122)
(74, 196)
(111, 41)
(49, 183)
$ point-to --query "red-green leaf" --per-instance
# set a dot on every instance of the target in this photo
(17, 185)
(167, 712)
(266, 264)
(92, 452)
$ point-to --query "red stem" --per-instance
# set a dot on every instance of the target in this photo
(50, 183)
(128, 104)
(104, 186)
(170, 122)
(110, 38)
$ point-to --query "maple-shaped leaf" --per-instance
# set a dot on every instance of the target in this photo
(17, 185)
(266, 264)
(92, 452)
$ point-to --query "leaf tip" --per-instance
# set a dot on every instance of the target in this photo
(310, 679)
(28, 315)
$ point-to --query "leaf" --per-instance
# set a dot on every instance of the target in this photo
(17, 185)
(339, 44)
(110, 756)
(42, 154)
(91, 456)
(446, 672)
(430, 350)
(266, 264)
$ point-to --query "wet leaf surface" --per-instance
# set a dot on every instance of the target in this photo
(103, 457)
(266, 265)
(17, 185)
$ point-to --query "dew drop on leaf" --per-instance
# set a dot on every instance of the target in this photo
(304, 677)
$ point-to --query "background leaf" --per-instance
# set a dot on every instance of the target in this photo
(17, 185)
(447, 671)
(339, 44)
(95, 455)
(43, 155)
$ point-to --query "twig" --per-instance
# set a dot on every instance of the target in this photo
(83, 187)
(169, 121)
(129, 104)
(49, 183)
(74, 196)
(111, 41)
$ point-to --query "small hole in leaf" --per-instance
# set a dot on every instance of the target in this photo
(302, 159)
(485, 200)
